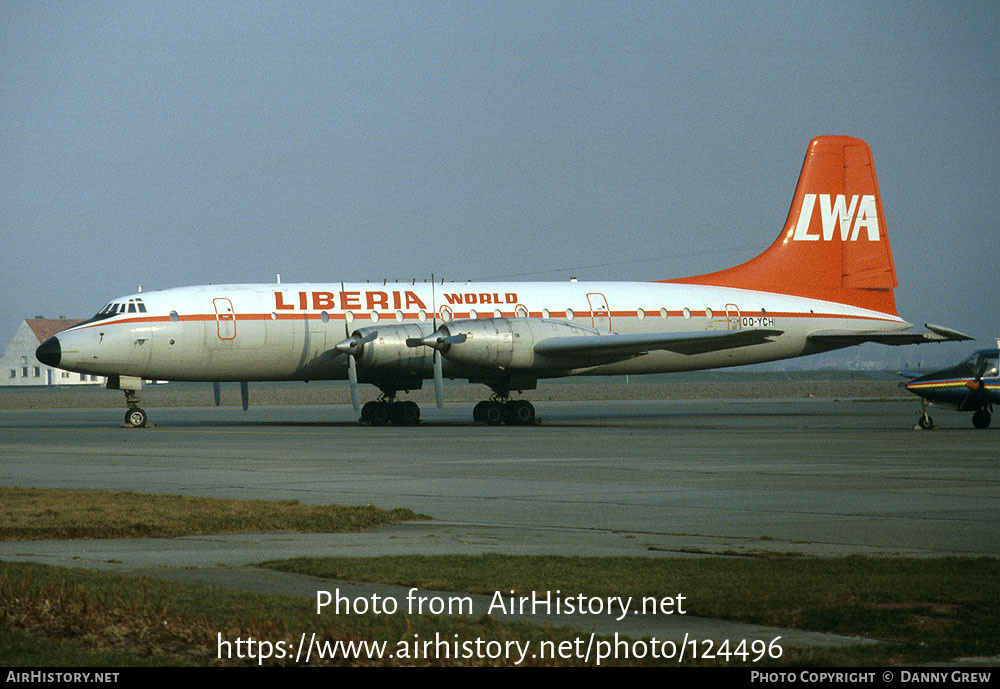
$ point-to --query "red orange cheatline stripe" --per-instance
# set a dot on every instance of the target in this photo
(651, 313)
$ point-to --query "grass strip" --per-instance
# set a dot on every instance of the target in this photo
(34, 514)
(933, 609)
(57, 616)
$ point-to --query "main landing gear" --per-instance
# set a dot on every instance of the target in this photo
(386, 409)
(496, 411)
(981, 419)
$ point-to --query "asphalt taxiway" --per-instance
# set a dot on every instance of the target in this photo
(639, 478)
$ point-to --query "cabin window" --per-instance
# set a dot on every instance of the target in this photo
(569, 314)
(374, 316)
(664, 312)
(174, 317)
(324, 316)
(473, 314)
(545, 313)
(399, 316)
(640, 314)
(708, 313)
(687, 312)
(422, 316)
(349, 316)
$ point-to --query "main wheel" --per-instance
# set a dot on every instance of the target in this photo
(405, 413)
(519, 413)
(926, 422)
(479, 412)
(981, 419)
(135, 417)
(378, 413)
(366, 411)
(493, 413)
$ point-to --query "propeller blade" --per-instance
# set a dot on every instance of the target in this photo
(352, 374)
(436, 340)
(350, 345)
(982, 371)
(217, 391)
(438, 380)
(977, 384)
(245, 394)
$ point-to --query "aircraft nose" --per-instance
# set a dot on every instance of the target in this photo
(49, 352)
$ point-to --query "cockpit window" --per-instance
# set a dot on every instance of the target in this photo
(982, 361)
(133, 305)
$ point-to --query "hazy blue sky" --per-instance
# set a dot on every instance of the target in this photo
(183, 143)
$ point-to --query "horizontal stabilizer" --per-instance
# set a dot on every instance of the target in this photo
(618, 346)
(847, 338)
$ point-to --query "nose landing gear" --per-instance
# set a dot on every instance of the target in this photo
(134, 417)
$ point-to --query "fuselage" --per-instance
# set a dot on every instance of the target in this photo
(969, 386)
(288, 331)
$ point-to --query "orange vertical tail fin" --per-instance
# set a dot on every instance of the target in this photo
(834, 245)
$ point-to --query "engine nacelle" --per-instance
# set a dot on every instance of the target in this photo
(388, 351)
(507, 343)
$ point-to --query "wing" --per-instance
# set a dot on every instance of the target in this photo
(845, 338)
(617, 347)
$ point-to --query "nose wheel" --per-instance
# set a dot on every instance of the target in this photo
(134, 417)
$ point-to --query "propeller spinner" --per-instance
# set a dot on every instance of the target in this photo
(439, 341)
(352, 348)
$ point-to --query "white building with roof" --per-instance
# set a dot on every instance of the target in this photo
(18, 365)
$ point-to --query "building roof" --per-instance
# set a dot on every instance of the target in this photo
(44, 328)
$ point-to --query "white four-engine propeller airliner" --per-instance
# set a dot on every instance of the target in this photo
(826, 282)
